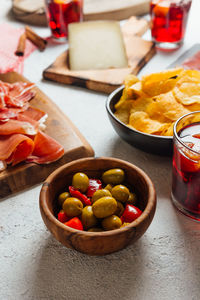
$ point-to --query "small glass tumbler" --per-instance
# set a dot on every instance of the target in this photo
(168, 22)
(186, 165)
(60, 13)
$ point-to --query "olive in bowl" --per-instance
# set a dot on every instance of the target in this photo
(94, 240)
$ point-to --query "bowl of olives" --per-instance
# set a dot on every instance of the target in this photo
(97, 205)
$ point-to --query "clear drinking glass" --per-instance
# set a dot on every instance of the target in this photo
(186, 165)
(60, 13)
(168, 22)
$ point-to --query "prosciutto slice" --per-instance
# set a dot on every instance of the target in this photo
(15, 148)
(10, 113)
(16, 94)
(46, 149)
(192, 62)
(21, 138)
(19, 126)
(35, 114)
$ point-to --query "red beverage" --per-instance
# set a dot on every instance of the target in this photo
(186, 170)
(60, 13)
(169, 19)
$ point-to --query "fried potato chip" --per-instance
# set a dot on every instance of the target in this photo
(136, 90)
(130, 80)
(153, 104)
(140, 121)
(123, 111)
(187, 93)
(162, 82)
(166, 106)
(189, 76)
(127, 94)
(168, 130)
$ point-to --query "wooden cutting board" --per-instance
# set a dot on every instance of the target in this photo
(139, 52)
(33, 12)
(22, 176)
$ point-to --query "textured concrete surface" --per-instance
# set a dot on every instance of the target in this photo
(163, 264)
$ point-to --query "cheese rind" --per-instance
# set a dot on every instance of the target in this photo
(96, 45)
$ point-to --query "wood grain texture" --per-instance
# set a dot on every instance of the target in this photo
(59, 127)
(139, 52)
(33, 12)
(100, 243)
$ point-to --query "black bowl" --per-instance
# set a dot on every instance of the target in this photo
(161, 145)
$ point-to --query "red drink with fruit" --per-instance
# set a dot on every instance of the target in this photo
(168, 21)
(60, 13)
(186, 165)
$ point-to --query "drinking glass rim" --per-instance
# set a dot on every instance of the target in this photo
(176, 135)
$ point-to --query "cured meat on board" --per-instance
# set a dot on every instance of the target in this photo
(21, 138)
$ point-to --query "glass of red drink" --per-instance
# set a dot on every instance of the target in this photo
(60, 13)
(168, 22)
(186, 165)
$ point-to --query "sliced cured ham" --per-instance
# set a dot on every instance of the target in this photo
(35, 114)
(192, 62)
(21, 138)
(10, 113)
(3, 165)
(46, 149)
(19, 126)
(15, 148)
(16, 94)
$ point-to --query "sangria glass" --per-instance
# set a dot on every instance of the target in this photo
(168, 22)
(60, 13)
(186, 165)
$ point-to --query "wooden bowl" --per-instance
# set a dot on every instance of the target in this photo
(97, 243)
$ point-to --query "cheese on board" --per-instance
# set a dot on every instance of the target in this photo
(96, 45)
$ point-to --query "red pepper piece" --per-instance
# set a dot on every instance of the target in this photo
(94, 185)
(77, 194)
(130, 213)
(75, 223)
(62, 217)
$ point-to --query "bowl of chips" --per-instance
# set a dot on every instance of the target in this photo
(143, 112)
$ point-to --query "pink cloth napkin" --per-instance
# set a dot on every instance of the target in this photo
(9, 38)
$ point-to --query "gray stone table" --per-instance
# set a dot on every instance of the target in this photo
(163, 264)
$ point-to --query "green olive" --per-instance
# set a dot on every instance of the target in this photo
(72, 207)
(95, 229)
(113, 176)
(111, 222)
(108, 187)
(88, 219)
(104, 207)
(124, 224)
(62, 197)
(120, 209)
(120, 193)
(99, 194)
(132, 199)
(80, 181)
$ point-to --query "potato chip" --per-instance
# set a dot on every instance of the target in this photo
(130, 80)
(153, 104)
(167, 130)
(140, 121)
(123, 111)
(127, 94)
(136, 90)
(165, 105)
(187, 93)
(162, 82)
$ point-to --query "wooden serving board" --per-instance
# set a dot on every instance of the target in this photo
(33, 12)
(59, 127)
(139, 52)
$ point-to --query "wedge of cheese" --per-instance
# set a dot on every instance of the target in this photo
(96, 45)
